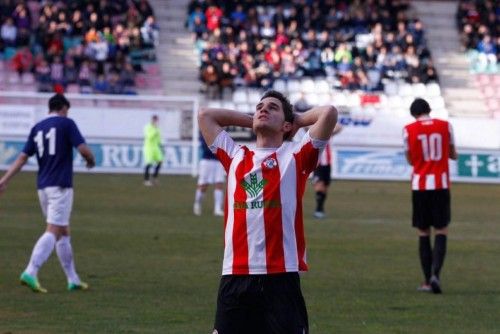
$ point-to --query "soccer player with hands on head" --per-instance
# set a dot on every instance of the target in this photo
(52, 140)
(264, 248)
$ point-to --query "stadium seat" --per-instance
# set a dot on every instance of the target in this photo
(294, 97)
(280, 86)
(73, 89)
(437, 102)
(339, 98)
(293, 86)
(405, 90)
(307, 86)
(324, 99)
(390, 88)
(321, 86)
(395, 102)
(240, 96)
(433, 89)
(28, 78)
(312, 99)
(419, 90)
(214, 104)
(244, 108)
(254, 95)
(228, 105)
(353, 100)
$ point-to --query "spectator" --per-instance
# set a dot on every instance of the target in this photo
(57, 71)
(213, 15)
(487, 53)
(8, 32)
(22, 61)
(150, 32)
(211, 80)
(101, 85)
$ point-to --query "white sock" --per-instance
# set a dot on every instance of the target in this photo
(65, 254)
(218, 196)
(41, 252)
(198, 198)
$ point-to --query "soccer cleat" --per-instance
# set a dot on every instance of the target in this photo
(197, 209)
(78, 286)
(148, 183)
(218, 213)
(435, 285)
(32, 283)
(424, 288)
(319, 214)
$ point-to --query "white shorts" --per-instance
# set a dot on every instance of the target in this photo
(56, 203)
(211, 171)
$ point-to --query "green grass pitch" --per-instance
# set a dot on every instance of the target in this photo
(154, 268)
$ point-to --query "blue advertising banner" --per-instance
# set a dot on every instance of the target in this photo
(119, 157)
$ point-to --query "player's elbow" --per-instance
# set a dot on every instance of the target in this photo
(330, 115)
(203, 115)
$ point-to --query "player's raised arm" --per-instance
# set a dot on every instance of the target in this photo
(321, 119)
(13, 170)
(212, 120)
(87, 155)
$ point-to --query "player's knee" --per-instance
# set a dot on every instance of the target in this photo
(424, 232)
(443, 231)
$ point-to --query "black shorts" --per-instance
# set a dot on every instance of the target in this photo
(431, 208)
(323, 173)
(264, 304)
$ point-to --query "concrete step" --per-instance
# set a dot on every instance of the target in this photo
(460, 93)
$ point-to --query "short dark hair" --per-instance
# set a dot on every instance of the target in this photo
(419, 107)
(287, 106)
(57, 102)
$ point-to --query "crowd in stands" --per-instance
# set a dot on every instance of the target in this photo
(479, 24)
(96, 45)
(356, 45)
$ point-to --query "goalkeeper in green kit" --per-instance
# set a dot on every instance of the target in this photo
(152, 151)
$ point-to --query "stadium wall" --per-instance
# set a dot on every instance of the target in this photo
(368, 148)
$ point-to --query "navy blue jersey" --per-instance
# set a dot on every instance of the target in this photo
(205, 151)
(53, 140)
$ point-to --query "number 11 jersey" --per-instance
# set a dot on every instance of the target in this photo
(52, 140)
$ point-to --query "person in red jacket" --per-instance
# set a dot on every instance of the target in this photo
(429, 144)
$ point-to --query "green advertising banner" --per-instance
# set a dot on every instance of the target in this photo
(480, 165)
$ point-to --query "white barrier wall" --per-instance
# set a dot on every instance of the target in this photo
(369, 147)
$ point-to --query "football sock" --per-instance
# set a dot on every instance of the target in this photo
(439, 253)
(65, 254)
(198, 197)
(425, 251)
(218, 195)
(41, 252)
(157, 170)
(320, 200)
(146, 172)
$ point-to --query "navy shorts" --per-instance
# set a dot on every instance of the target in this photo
(431, 208)
(264, 304)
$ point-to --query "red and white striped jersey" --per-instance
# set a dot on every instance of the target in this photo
(325, 158)
(263, 228)
(428, 142)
